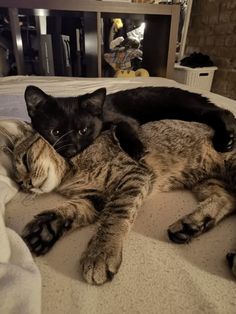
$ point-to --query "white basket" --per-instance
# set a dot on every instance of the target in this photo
(200, 78)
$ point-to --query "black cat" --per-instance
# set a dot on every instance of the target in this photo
(72, 123)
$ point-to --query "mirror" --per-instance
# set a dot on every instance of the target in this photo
(185, 12)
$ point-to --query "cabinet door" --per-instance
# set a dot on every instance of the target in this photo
(91, 44)
(156, 44)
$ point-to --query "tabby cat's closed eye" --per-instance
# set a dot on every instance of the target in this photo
(25, 162)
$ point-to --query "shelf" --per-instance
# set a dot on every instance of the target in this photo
(92, 6)
(159, 45)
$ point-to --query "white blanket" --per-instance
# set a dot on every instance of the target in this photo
(156, 276)
(20, 280)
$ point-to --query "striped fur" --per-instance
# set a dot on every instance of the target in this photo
(104, 185)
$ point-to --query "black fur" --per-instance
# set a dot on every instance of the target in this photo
(145, 104)
(70, 124)
(126, 109)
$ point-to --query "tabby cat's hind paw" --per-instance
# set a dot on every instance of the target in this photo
(186, 228)
(43, 231)
(231, 258)
(100, 264)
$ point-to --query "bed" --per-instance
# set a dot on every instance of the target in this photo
(156, 275)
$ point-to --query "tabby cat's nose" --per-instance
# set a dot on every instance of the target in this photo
(28, 183)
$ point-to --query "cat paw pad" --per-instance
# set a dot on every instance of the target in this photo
(185, 229)
(43, 231)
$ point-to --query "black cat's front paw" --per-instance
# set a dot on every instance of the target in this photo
(44, 230)
(134, 148)
(129, 141)
(131, 145)
(225, 133)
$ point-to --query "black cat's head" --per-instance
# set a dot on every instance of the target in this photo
(70, 124)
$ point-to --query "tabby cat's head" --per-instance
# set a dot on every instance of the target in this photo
(37, 166)
(70, 124)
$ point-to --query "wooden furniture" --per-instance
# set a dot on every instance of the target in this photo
(160, 37)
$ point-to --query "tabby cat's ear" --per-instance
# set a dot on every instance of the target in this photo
(34, 97)
(94, 101)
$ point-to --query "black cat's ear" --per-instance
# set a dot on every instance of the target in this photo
(94, 101)
(34, 97)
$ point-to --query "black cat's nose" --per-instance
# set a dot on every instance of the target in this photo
(70, 153)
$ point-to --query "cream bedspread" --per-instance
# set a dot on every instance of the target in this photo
(156, 276)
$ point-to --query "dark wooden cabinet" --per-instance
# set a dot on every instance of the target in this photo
(159, 42)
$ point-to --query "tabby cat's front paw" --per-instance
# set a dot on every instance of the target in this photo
(44, 230)
(231, 258)
(187, 228)
(100, 264)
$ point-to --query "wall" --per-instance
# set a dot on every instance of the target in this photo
(212, 31)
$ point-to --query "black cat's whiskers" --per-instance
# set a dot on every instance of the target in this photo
(59, 143)
(62, 147)
(60, 138)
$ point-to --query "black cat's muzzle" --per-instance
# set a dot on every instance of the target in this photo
(69, 153)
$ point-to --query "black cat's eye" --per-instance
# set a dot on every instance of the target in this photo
(25, 161)
(55, 132)
(83, 131)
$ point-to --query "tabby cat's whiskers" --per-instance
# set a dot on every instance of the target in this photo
(28, 198)
(6, 135)
(7, 149)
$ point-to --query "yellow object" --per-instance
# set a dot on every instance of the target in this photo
(141, 72)
(130, 73)
(125, 73)
(117, 24)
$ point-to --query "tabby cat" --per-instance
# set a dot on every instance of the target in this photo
(104, 185)
(73, 123)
